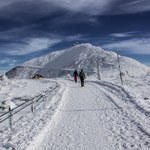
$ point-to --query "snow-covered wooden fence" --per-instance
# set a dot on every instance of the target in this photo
(29, 102)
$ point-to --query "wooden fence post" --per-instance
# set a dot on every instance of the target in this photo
(32, 106)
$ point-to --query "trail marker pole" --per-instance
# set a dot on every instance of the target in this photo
(120, 74)
(32, 106)
(98, 71)
(10, 118)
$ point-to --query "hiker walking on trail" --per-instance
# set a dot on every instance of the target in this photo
(82, 77)
(75, 75)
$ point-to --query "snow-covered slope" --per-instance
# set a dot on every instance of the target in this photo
(82, 56)
(41, 61)
(99, 116)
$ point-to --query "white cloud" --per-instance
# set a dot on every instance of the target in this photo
(8, 61)
(12, 63)
(3, 70)
(37, 44)
(30, 46)
(4, 61)
(120, 35)
(135, 6)
(75, 37)
(8, 2)
(102, 7)
(136, 46)
(90, 7)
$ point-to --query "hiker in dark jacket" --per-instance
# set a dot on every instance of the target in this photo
(75, 75)
(82, 77)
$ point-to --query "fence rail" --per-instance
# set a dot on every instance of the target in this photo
(30, 102)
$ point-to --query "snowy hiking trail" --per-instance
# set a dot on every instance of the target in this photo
(98, 116)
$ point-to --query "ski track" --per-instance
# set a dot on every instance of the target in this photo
(99, 116)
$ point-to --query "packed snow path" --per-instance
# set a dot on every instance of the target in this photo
(95, 117)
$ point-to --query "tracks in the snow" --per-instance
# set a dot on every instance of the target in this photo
(90, 115)
(127, 107)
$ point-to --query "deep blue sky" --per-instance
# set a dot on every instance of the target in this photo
(31, 28)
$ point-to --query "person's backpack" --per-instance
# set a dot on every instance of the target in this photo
(82, 74)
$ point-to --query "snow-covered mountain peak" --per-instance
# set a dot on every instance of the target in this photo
(81, 56)
(86, 47)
